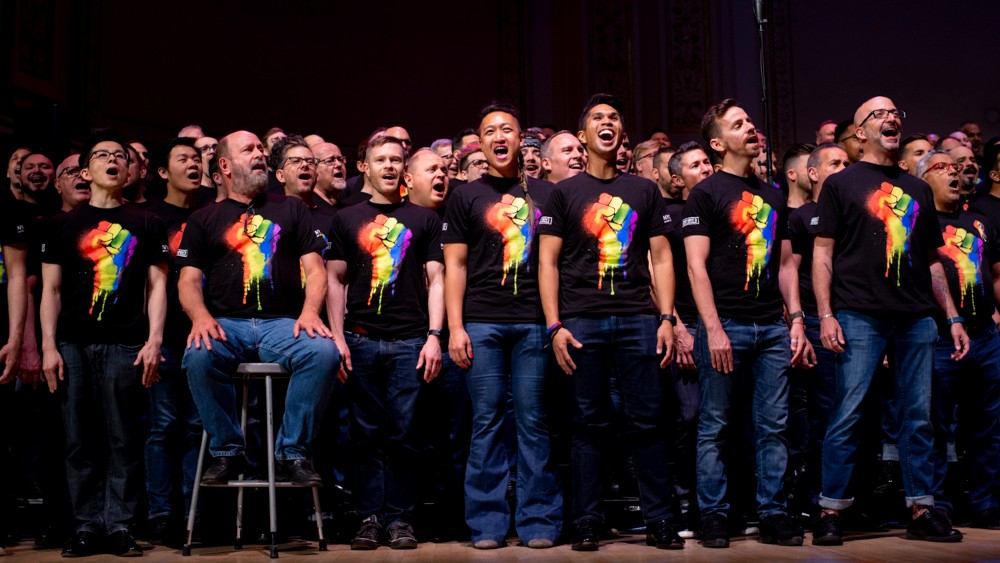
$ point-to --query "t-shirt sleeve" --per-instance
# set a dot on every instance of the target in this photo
(929, 229)
(157, 251)
(338, 239)
(455, 219)
(310, 237)
(659, 220)
(52, 248)
(551, 223)
(192, 249)
(697, 211)
(782, 226)
(828, 210)
(434, 251)
(13, 227)
(797, 233)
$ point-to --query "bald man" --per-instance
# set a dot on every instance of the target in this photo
(878, 281)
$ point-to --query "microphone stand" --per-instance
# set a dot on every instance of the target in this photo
(758, 11)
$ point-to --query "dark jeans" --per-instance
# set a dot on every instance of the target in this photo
(103, 402)
(382, 392)
(972, 384)
(173, 440)
(626, 346)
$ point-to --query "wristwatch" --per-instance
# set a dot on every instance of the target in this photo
(669, 317)
(434, 332)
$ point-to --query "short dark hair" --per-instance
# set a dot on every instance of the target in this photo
(502, 107)
(991, 153)
(796, 150)
(674, 165)
(841, 129)
(710, 121)
(599, 99)
(456, 141)
(661, 153)
(164, 156)
(547, 145)
(384, 140)
(911, 138)
(363, 145)
(281, 148)
(96, 137)
(817, 152)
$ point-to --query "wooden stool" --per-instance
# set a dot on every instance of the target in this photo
(247, 372)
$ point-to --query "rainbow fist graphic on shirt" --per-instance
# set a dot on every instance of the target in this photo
(965, 251)
(256, 240)
(174, 240)
(612, 221)
(898, 212)
(509, 217)
(756, 220)
(109, 247)
(386, 240)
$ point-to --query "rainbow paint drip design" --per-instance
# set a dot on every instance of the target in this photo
(898, 212)
(386, 240)
(256, 240)
(174, 240)
(757, 221)
(965, 250)
(613, 222)
(109, 247)
(509, 217)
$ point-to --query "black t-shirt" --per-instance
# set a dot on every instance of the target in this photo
(884, 226)
(683, 297)
(800, 234)
(14, 231)
(385, 247)
(605, 226)
(352, 199)
(175, 219)
(250, 255)
(971, 247)
(105, 255)
(491, 216)
(322, 214)
(987, 205)
(745, 222)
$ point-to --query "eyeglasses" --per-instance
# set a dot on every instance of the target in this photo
(478, 162)
(650, 155)
(882, 114)
(332, 160)
(944, 168)
(299, 161)
(109, 156)
(207, 148)
(72, 171)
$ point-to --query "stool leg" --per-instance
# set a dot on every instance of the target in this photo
(271, 500)
(319, 519)
(194, 493)
(240, 491)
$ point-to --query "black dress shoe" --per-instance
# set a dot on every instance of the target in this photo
(122, 544)
(828, 530)
(223, 470)
(587, 536)
(82, 545)
(662, 535)
(933, 525)
(300, 472)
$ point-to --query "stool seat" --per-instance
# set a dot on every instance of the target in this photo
(262, 369)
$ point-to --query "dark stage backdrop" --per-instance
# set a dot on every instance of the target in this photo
(342, 68)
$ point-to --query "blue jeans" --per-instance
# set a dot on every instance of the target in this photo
(103, 404)
(821, 386)
(510, 358)
(625, 346)
(761, 362)
(867, 340)
(382, 391)
(312, 362)
(173, 439)
(974, 385)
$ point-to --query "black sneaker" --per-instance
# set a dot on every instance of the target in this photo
(933, 525)
(828, 530)
(662, 535)
(989, 519)
(122, 544)
(82, 545)
(714, 531)
(779, 529)
(401, 536)
(300, 472)
(587, 536)
(223, 470)
(166, 531)
(368, 534)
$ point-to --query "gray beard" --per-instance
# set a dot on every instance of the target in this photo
(246, 184)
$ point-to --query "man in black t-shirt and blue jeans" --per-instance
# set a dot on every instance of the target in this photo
(250, 301)
(389, 338)
(877, 279)
(599, 234)
(733, 229)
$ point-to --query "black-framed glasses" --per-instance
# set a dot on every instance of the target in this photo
(71, 171)
(108, 156)
(300, 160)
(331, 161)
(883, 113)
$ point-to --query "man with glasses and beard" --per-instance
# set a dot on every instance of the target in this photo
(240, 284)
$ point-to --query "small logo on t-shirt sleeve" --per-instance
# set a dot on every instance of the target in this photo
(666, 218)
(691, 222)
(444, 226)
(20, 229)
(545, 220)
(814, 221)
(182, 253)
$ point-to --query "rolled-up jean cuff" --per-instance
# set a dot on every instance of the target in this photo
(835, 503)
(890, 452)
(923, 500)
